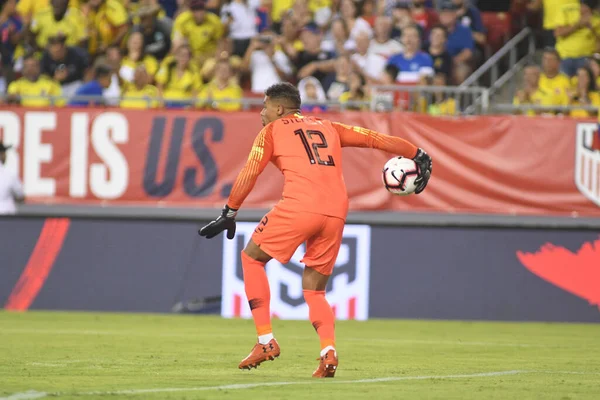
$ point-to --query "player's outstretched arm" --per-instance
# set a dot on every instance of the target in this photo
(259, 157)
(354, 136)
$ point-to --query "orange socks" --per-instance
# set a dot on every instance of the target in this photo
(258, 293)
(321, 316)
(259, 298)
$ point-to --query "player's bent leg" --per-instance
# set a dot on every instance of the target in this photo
(322, 318)
(259, 297)
(254, 251)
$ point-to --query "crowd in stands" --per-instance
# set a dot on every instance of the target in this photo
(210, 53)
(569, 74)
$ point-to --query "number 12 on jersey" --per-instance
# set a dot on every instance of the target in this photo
(313, 154)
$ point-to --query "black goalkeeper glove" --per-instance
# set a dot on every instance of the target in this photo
(226, 221)
(423, 161)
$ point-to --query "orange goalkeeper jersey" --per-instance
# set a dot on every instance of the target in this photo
(308, 151)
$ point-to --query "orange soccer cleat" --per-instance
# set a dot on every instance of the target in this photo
(327, 366)
(261, 353)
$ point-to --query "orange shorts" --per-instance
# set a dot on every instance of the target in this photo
(281, 232)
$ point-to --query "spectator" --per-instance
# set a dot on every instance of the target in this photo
(239, 19)
(140, 94)
(11, 188)
(11, 33)
(134, 7)
(312, 95)
(355, 95)
(136, 56)
(442, 62)
(584, 94)
(33, 89)
(92, 92)
(313, 60)
(413, 63)
(594, 64)
(278, 9)
(402, 18)
(113, 61)
(207, 71)
(67, 65)
(389, 75)
(58, 18)
(460, 44)
(338, 81)
(554, 11)
(370, 65)
(349, 12)
(386, 100)
(157, 33)
(367, 8)
(301, 12)
(263, 19)
(442, 104)
(289, 39)
(469, 16)
(577, 35)
(532, 93)
(337, 39)
(200, 28)
(109, 24)
(221, 94)
(382, 44)
(170, 7)
(552, 81)
(422, 15)
(27, 8)
(178, 79)
(266, 65)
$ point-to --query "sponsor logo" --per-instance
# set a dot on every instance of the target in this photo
(587, 161)
(577, 273)
(347, 290)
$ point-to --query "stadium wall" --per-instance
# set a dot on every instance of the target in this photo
(502, 165)
(382, 272)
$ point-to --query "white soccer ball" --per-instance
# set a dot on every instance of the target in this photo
(399, 176)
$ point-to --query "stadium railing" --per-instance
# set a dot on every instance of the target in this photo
(494, 64)
(468, 100)
(507, 108)
(419, 98)
(382, 98)
(507, 58)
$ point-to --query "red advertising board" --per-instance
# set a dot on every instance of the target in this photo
(496, 164)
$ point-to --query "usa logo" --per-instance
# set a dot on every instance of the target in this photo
(347, 290)
(587, 161)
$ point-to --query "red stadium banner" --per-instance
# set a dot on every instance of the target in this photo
(499, 164)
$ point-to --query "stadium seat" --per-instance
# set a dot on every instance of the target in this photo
(498, 27)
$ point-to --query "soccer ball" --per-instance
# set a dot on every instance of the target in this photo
(399, 176)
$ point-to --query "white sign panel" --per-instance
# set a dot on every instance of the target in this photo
(347, 291)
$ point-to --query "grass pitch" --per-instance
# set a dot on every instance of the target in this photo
(101, 355)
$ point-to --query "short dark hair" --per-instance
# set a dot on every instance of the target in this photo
(30, 56)
(284, 91)
(392, 70)
(552, 50)
(440, 26)
(102, 70)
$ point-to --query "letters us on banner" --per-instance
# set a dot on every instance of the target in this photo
(487, 164)
(347, 290)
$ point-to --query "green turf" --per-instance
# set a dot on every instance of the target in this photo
(68, 355)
